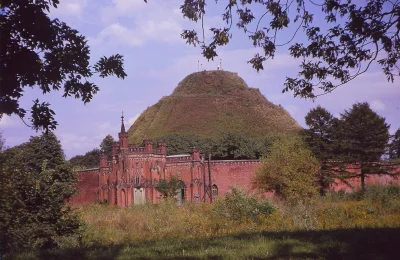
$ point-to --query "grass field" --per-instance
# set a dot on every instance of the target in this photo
(337, 226)
(379, 243)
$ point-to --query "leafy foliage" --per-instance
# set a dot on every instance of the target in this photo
(35, 182)
(167, 188)
(236, 205)
(91, 159)
(183, 143)
(322, 138)
(357, 33)
(230, 146)
(55, 58)
(395, 146)
(356, 141)
(365, 137)
(289, 170)
(106, 146)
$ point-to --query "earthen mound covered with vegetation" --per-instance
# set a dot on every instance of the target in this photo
(211, 104)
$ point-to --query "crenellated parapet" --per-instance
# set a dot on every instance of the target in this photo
(235, 162)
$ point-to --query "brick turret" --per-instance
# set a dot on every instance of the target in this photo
(148, 146)
(103, 161)
(162, 147)
(195, 154)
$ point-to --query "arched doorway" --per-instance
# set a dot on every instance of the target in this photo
(180, 193)
(138, 196)
(123, 199)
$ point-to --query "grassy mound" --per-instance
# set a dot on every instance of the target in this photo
(211, 104)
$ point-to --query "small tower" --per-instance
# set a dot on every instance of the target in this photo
(148, 146)
(103, 161)
(195, 154)
(161, 146)
(123, 136)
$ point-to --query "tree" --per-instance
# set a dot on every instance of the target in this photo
(106, 146)
(230, 146)
(237, 146)
(183, 143)
(290, 170)
(91, 159)
(395, 146)
(167, 188)
(321, 136)
(365, 136)
(35, 186)
(55, 58)
(357, 33)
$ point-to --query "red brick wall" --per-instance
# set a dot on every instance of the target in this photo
(225, 174)
(369, 179)
(88, 186)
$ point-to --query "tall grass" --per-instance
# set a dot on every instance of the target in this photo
(379, 207)
(336, 226)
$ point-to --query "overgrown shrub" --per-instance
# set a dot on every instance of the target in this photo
(290, 170)
(35, 182)
(237, 206)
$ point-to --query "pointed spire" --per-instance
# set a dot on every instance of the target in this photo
(122, 123)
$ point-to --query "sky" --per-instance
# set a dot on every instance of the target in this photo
(157, 59)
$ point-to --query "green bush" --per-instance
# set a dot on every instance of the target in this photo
(238, 206)
(290, 170)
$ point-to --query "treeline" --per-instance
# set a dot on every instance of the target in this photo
(230, 146)
(91, 159)
(356, 145)
(359, 138)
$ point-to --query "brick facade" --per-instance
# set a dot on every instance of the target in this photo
(129, 177)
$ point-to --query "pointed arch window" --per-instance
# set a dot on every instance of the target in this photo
(214, 190)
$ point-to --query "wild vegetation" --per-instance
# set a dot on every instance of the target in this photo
(35, 182)
(290, 170)
(240, 226)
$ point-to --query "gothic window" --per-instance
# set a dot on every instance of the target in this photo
(214, 190)
(137, 180)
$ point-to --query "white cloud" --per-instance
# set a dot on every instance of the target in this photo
(232, 60)
(6, 121)
(139, 22)
(128, 5)
(119, 33)
(378, 105)
(70, 8)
